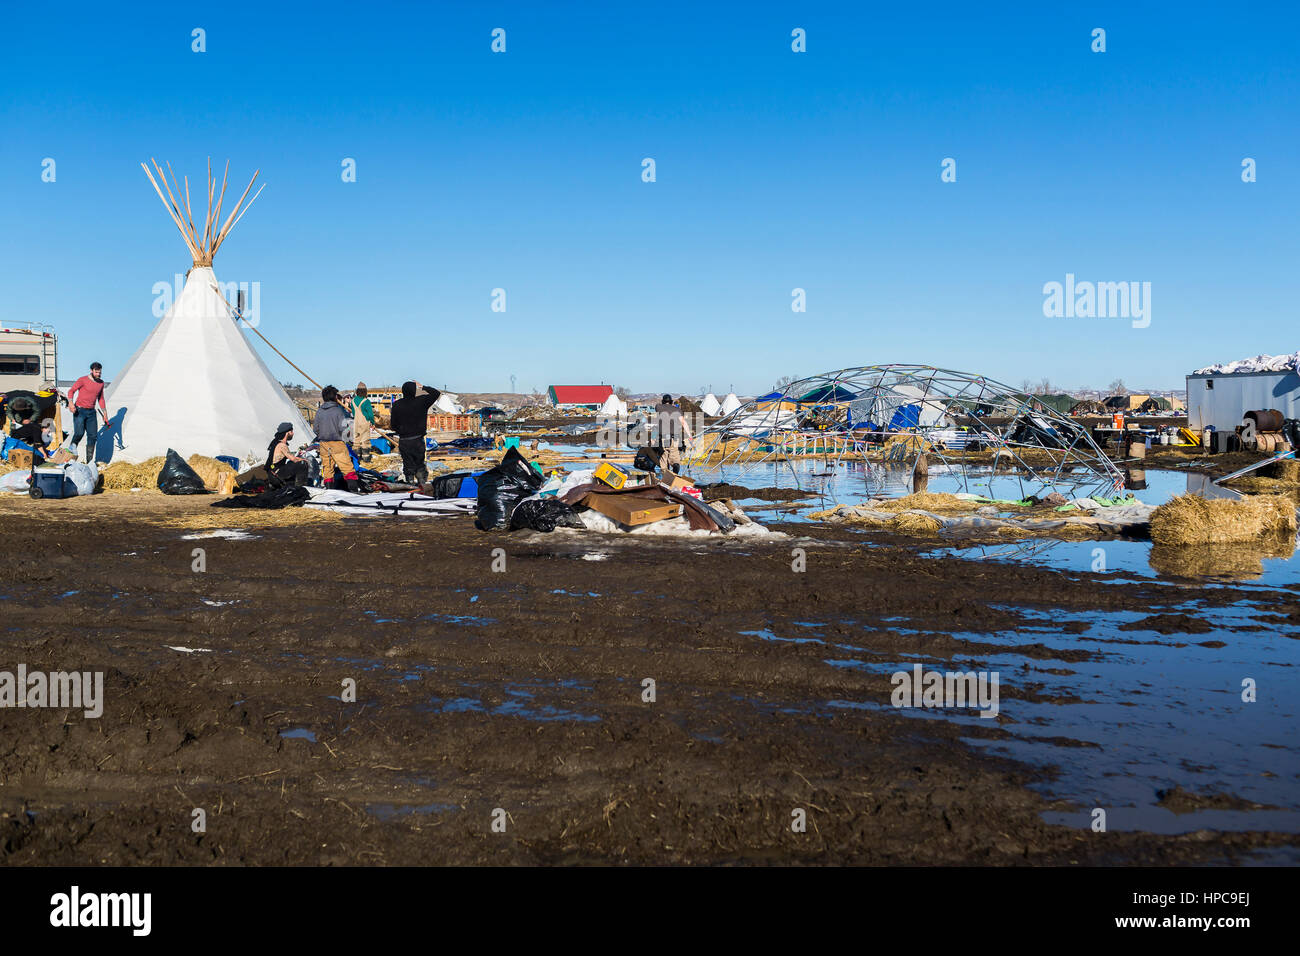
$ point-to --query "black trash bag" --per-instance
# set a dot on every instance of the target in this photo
(448, 486)
(647, 459)
(178, 478)
(544, 514)
(503, 487)
(271, 498)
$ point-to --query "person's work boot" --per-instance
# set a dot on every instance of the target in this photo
(354, 486)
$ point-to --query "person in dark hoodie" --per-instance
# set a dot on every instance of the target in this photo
(333, 427)
(410, 419)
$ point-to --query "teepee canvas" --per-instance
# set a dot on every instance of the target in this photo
(729, 404)
(614, 407)
(196, 384)
(710, 405)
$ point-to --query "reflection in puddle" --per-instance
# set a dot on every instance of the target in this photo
(1155, 711)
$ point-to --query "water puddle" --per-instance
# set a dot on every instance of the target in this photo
(1152, 711)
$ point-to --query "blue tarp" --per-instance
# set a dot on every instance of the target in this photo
(906, 416)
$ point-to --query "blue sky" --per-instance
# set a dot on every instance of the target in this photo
(775, 170)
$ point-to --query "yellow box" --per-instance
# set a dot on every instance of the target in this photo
(610, 475)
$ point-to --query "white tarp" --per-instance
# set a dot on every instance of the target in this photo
(447, 404)
(1259, 363)
(388, 503)
(196, 385)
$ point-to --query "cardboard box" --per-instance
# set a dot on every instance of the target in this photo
(20, 458)
(632, 510)
(685, 487)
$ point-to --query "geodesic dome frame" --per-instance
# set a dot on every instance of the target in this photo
(903, 411)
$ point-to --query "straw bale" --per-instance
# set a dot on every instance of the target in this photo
(1191, 519)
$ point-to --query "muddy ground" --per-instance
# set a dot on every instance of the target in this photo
(520, 690)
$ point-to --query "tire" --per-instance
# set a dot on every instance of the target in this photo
(36, 492)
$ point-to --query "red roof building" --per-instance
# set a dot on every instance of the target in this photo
(579, 396)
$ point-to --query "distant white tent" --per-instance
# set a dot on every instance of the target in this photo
(196, 384)
(613, 407)
(710, 405)
(447, 404)
(730, 403)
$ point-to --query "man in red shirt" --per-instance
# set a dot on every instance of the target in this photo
(83, 395)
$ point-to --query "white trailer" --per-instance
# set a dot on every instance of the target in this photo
(29, 358)
(1221, 399)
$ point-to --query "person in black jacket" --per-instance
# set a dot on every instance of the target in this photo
(409, 418)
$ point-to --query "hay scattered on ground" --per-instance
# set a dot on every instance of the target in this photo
(1191, 519)
(928, 501)
(905, 446)
(246, 518)
(7, 466)
(1288, 471)
(910, 522)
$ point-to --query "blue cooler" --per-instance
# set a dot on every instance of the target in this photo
(49, 481)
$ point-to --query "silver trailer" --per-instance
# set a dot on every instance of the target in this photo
(1222, 399)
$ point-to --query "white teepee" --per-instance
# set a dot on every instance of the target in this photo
(710, 406)
(730, 404)
(614, 407)
(196, 384)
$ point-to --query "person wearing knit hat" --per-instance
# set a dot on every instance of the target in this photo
(281, 462)
(363, 418)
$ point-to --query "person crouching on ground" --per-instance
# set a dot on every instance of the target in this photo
(332, 426)
(410, 419)
(32, 434)
(281, 462)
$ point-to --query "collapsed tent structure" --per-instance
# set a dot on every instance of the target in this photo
(196, 384)
(909, 413)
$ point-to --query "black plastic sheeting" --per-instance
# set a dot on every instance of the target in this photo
(274, 498)
(448, 485)
(544, 514)
(503, 487)
(178, 478)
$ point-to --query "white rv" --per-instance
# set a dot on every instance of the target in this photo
(29, 358)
